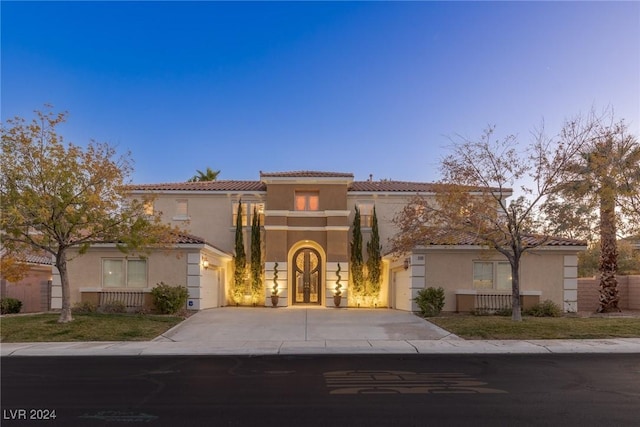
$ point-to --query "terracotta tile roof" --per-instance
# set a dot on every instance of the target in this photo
(227, 185)
(392, 186)
(234, 185)
(183, 238)
(38, 259)
(32, 257)
(462, 238)
(305, 174)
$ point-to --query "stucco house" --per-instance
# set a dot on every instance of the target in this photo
(306, 219)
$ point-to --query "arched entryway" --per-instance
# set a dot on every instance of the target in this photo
(306, 277)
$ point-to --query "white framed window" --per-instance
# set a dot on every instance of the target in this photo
(182, 209)
(247, 212)
(307, 201)
(366, 214)
(492, 275)
(124, 273)
(148, 208)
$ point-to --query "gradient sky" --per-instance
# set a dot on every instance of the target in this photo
(364, 87)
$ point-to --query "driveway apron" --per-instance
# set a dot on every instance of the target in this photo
(302, 324)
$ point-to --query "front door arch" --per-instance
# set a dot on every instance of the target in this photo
(306, 276)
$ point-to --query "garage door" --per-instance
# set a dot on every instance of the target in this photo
(402, 295)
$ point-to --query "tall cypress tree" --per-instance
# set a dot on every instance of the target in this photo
(357, 265)
(239, 260)
(256, 258)
(374, 257)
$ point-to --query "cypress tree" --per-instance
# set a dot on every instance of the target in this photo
(374, 257)
(256, 257)
(239, 260)
(357, 267)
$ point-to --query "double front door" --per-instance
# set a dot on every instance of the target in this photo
(306, 276)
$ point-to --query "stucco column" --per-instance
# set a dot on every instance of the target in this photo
(417, 282)
(281, 282)
(194, 275)
(570, 284)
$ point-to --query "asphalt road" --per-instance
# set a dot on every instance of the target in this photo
(420, 390)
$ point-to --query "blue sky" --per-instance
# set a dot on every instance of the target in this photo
(364, 87)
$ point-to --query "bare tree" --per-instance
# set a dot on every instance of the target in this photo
(470, 204)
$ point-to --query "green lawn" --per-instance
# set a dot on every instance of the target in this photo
(503, 328)
(85, 327)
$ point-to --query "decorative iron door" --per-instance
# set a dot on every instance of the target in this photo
(306, 276)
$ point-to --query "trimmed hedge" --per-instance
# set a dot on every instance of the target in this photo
(10, 305)
(169, 299)
(430, 301)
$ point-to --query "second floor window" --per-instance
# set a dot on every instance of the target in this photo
(182, 209)
(247, 213)
(307, 201)
(366, 214)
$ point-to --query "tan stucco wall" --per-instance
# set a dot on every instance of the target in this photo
(85, 271)
(331, 196)
(210, 215)
(387, 207)
(453, 270)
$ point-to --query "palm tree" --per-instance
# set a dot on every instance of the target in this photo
(208, 175)
(600, 177)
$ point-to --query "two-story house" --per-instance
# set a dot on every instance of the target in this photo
(306, 219)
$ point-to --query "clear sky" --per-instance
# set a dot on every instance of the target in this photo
(363, 87)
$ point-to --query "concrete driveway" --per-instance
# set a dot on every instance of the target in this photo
(245, 324)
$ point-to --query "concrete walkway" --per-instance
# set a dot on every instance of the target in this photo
(289, 331)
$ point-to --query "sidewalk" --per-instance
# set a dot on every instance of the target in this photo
(256, 348)
(308, 331)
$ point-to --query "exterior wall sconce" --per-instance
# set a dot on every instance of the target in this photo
(205, 263)
(406, 263)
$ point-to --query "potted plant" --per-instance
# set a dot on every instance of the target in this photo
(337, 294)
(274, 289)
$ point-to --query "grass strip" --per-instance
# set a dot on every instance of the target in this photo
(503, 328)
(85, 327)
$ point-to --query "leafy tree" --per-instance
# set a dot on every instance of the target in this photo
(603, 181)
(239, 260)
(470, 205)
(374, 257)
(57, 197)
(256, 257)
(208, 175)
(12, 268)
(628, 259)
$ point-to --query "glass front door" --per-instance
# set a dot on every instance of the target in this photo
(306, 276)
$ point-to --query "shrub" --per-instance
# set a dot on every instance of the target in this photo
(169, 299)
(504, 311)
(430, 301)
(114, 307)
(84, 307)
(10, 305)
(546, 308)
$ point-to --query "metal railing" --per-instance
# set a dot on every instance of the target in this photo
(131, 299)
(490, 303)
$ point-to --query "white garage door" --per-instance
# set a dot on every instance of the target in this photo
(402, 295)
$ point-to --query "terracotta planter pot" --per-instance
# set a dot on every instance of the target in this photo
(337, 299)
(274, 300)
